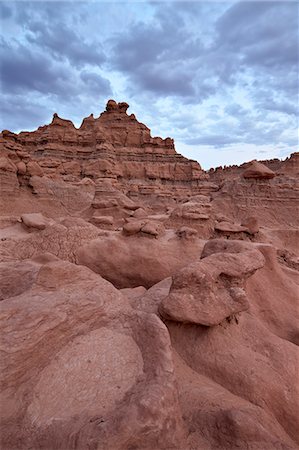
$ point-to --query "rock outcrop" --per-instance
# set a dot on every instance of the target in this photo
(76, 371)
(144, 303)
(212, 289)
(114, 147)
(258, 171)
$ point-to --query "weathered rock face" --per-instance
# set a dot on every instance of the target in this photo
(239, 356)
(76, 371)
(138, 257)
(195, 345)
(211, 290)
(272, 201)
(114, 146)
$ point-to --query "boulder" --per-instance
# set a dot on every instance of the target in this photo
(148, 227)
(133, 294)
(138, 260)
(34, 220)
(228, 227)
(153, 228)
(212, 289)
(258, 170)
(133, 227)
(21, 168)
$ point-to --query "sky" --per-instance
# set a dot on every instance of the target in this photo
(220, 78)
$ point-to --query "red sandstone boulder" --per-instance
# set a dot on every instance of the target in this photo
(258, 170)
(228, 227)
(21, 168)
(209, 291)
(137, 260)
(153, 228)
(133, 227)
(34, 220)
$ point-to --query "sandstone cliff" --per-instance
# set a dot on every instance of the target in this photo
(145, 304)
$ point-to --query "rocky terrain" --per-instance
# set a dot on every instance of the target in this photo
(145, 304)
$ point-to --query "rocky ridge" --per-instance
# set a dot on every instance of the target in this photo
(145, 303)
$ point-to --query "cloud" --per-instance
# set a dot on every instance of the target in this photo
(23, 70)
(261, 35)
(5, 11)
(156, 55)
(22, 113)
(64, 43)
(95, 82)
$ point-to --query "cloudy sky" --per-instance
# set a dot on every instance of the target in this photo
(220, 78)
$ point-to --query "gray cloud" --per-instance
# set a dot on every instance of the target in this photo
(22, 113)
(5, 10)
(23, 71)
(216, 140)
(95, 82)
(65, 43)
(260, 34)
(156, 55)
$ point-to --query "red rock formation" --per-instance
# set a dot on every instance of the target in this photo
(167, 339)
(114, 146)
(258, 171)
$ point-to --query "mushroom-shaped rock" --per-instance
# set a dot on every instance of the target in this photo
(34, 220)
(258, 170)
(225, 246)
(227, 227)
(211, 290)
